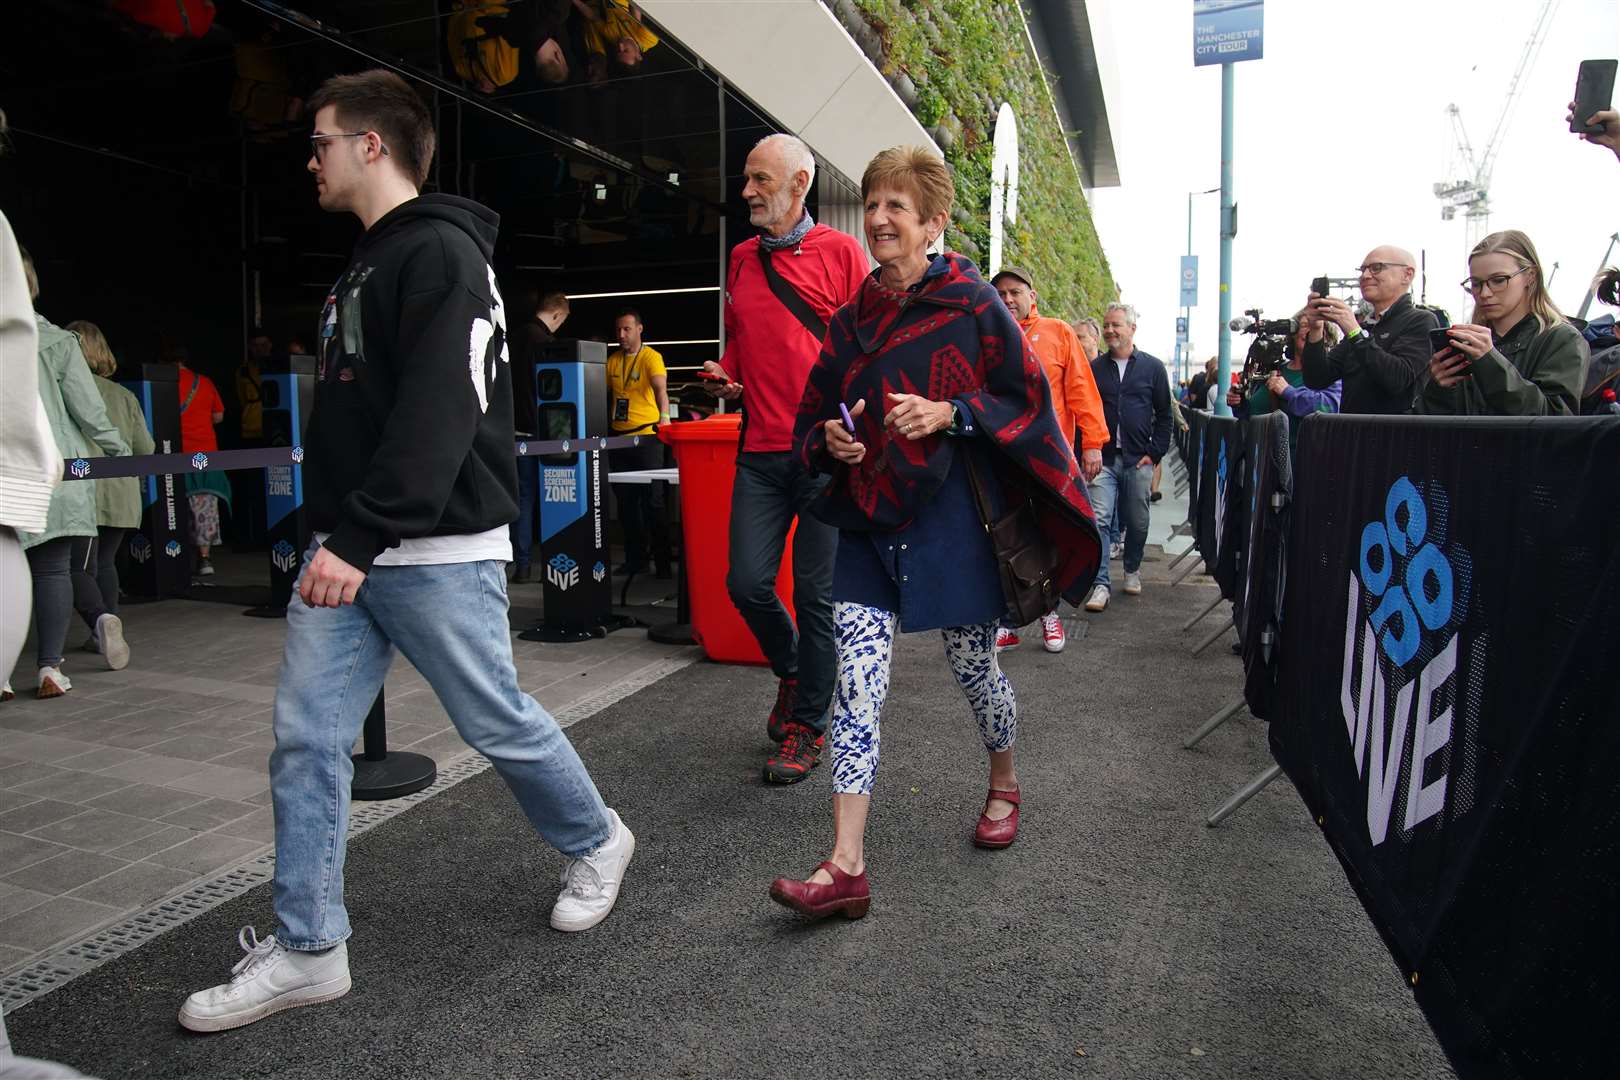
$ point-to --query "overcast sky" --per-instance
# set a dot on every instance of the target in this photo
(1341, 134)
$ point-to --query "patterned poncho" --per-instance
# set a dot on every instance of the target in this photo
(949, 338)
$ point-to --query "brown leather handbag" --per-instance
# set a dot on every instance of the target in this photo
(1026, 558)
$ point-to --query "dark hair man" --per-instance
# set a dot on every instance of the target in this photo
(1383, 359)
(638, 401)
(410, 483)
(770, 350)
(544, 314)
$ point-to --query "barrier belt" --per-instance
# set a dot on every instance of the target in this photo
(264, 457)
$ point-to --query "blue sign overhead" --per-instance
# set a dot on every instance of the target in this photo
(1226, 31)
(1189, 281)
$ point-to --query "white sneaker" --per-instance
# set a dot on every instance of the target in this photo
(110, 636)
(1098, 598)
(1052, 634)
(6, 692)
(1133, 583)
(205, 568)
(267, 980)
(52, 683)
(591, 882)
(1007, 639)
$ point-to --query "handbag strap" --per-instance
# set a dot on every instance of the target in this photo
(791, 298)
(976, 482)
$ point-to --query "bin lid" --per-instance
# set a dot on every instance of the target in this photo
(721, 427)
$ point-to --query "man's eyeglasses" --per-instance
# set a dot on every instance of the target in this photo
(317, 143)
(1378, 268)
(1496, 282)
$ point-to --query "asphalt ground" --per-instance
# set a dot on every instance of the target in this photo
(1119, 937)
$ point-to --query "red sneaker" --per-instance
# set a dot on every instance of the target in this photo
(787, 691)
(799, 753)
(1006, 639)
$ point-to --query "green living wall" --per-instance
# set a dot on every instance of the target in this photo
(953, 62)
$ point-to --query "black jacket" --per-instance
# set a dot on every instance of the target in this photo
(1138, 412)
(528, 339)
(411, 431)
(1383, 367)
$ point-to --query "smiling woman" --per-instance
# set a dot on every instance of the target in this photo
(915, 478)
(1519, 356)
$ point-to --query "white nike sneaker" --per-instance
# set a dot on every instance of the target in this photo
(52, 683)
(267, 980)
(591, 882)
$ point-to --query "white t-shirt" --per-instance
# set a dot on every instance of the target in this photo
(442, 550)
(1121, 364)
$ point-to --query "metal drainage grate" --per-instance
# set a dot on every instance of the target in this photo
(41, 977)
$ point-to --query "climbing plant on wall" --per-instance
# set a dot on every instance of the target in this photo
(953, 62)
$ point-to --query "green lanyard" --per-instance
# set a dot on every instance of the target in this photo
(631, 362)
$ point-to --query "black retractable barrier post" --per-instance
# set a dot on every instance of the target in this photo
(571, 387)
(288, 389)
(156, 562)
(379, 774)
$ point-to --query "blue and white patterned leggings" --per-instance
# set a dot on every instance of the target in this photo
(865, 649)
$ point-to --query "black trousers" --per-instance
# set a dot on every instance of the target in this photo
(772, 488)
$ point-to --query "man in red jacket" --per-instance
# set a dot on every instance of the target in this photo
(782, 288)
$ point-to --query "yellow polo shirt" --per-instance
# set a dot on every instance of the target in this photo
(629, 380)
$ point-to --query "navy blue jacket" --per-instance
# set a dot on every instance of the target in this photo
(1138, 412)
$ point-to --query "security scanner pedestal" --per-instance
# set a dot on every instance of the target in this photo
(288, 389)
(156, 562)
(570, 381)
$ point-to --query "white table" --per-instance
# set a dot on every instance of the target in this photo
(680, 631)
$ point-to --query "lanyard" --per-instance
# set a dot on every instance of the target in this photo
(628, 377)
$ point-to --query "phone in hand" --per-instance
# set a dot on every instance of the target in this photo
(1594, 92)
(849, 421)
(1319, 285)
(713, 376)
(1440, 341)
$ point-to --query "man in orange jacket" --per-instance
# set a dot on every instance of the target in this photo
(1075, 400)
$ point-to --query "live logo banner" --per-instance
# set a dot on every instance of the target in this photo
(1448, 705)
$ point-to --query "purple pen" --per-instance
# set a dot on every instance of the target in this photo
(849, 421)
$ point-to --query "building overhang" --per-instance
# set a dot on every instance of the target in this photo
(793, 60)
(1074, 42)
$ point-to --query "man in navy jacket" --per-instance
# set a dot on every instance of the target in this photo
(1135, 390)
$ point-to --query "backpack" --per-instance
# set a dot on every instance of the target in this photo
(477, 52)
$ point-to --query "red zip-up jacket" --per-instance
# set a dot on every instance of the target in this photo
(767, 349)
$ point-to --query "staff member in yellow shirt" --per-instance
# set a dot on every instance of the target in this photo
(638, 401)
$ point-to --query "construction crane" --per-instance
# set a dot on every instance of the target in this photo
(1470, 190)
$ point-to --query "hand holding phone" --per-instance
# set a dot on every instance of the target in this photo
(1319, 285)
(1440, 341)
(841, 441)
(714, 373)
(1594, 91)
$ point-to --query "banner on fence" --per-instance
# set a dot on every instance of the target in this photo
(1447, 710)
(1257, 605)
(1219, 531)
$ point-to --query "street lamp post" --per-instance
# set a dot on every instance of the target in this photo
(1184, 355)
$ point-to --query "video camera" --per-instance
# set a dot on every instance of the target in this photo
(1268, 353)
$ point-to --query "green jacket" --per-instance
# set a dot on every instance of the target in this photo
(118, 498)
(78, 419)
(1531, 372)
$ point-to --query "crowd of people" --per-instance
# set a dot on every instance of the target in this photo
(1001, 488)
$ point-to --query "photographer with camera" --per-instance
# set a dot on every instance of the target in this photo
(1383, 358)
(1274, 375)
(1520, 356)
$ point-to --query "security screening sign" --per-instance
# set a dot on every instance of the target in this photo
(1226, 31)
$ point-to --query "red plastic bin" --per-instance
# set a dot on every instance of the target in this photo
(706, 455)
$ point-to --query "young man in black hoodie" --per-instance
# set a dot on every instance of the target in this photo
(410, 484)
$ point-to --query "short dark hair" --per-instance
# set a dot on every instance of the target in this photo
(556, 300)
(630, 313)
(380, 101)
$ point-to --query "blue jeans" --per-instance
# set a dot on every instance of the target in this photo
(528, 472)
(1120, 494)
(450, 622)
